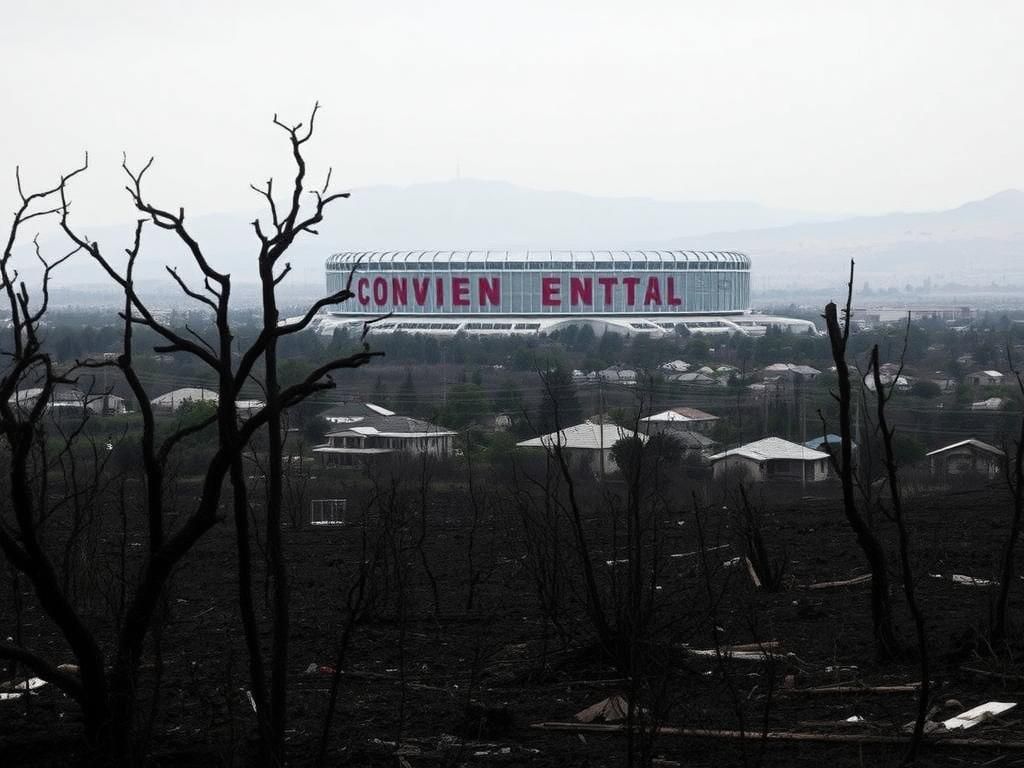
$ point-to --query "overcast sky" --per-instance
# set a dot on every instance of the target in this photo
(847, 107)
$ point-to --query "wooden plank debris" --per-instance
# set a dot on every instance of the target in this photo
(862, 579)
(755, 735)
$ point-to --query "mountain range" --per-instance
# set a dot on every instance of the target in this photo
(977, 243)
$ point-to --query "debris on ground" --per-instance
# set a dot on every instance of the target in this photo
(978, 714)
(610, 710)
(970, 581)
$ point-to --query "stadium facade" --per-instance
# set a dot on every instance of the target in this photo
(529, 292)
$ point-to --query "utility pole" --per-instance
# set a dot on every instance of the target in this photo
(600, 419)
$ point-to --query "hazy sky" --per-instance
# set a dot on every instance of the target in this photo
(855, 106)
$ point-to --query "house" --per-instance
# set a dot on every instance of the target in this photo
(679, 419)
(370, 437)
(889, 381)
(968, 457)
(71, 401)
(173, 400)
(771, 458)
(694, 379)
(992, 404)
(675, 366)
(618, 375)
(590, 440)
(985, 379)
(796, 372)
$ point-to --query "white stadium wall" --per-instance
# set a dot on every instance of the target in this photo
(447, 292)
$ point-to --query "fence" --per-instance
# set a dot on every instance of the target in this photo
(328, 511)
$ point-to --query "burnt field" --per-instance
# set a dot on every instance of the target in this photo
(447, 620)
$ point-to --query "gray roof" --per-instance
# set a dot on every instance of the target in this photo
(391, 426)
(588, 436)
(771, 448)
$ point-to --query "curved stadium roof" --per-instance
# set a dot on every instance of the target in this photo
(524, 259)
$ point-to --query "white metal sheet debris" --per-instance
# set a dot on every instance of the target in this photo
(978, 714)
(970, 581)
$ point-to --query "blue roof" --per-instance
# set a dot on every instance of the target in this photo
(830, 439)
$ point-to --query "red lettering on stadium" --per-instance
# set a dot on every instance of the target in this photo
(600, 293)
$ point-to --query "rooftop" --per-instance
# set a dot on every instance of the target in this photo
(391, 426)
(771, 448)
(681, 415)
(587, 436)
(969, 442)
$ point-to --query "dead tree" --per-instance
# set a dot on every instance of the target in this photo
(106, 687)
(1015, 479)
(886, 643)
(896, 500)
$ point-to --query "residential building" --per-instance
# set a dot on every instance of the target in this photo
(591, 441)
(985, 379)
(370, 437)
(679, 419)
(176, 398)
(991, 404)
(967, 457)
(771, 458)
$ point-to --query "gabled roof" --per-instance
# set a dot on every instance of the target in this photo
(803, 370)
(770, 448)
(829, 439)
(681, 414)
(694, 378)
(391, 426)
(587, 436)
(990, 374)
(971, 442)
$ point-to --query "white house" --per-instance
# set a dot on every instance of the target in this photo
(991, 404)
(71, 401)
(373, 436)
(679, 419)
(173, 400)
(591, 440)
(804, 372)
(966, 457)
(771, 458)
(986, 378)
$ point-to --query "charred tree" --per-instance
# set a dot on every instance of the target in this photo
(886, 643)
(896, 501)
(106, 686)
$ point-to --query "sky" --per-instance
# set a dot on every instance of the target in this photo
(855, 107)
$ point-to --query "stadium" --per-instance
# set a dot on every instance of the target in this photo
(530, 292)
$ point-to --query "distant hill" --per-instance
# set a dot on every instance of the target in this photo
(977, 243)
(464, 213)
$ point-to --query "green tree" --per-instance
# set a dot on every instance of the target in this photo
(407, 399)
(560, 403)
(466, 403)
